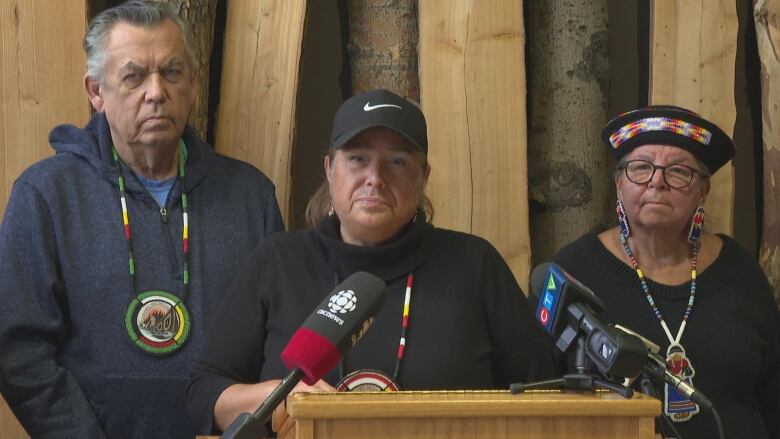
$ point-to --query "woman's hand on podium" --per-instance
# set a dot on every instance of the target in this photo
(280, 415)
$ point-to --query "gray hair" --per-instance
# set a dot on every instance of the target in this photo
(142, 13)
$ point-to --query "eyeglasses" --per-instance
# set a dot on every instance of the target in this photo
(676, 176)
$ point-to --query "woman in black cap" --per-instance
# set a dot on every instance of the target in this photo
(699, 296)
(454, 317)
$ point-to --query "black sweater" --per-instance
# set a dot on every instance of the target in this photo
(470, 325)
(731, 337)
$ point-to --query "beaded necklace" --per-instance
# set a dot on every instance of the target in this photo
(374, 380)
(156, 321)
(676, 406)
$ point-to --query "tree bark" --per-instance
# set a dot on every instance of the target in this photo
(570, 188)
(382, 46)
(765, 14)
(199, 14)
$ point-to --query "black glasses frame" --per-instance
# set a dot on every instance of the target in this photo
(663, 169)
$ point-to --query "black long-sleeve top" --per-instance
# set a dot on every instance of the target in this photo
(732, 336)
(470, 325)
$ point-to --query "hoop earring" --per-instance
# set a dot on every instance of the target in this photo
(625, 230)
(694, 234)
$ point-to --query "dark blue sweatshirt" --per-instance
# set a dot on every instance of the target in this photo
(67, 365)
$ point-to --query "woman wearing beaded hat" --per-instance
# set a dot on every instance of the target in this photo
(462, 319)
(699, 296)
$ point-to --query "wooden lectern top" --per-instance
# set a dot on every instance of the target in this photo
(468, 414)
(417, 404)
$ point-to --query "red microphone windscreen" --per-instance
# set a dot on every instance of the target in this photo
(312, 353)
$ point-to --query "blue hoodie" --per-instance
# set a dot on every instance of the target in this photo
(67, 365)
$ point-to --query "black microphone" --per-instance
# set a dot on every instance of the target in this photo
(567, 308)
(656, 368)
(318, 345)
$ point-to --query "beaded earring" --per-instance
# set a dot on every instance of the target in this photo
(625, 230)
(694, 234)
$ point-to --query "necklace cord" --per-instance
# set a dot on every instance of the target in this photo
(185, 222)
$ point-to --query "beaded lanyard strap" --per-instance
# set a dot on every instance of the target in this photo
(374, 380)
(156, 321)
(676, 406)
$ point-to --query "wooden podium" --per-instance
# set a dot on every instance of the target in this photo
(469, 414)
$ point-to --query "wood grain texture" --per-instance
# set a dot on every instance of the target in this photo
(42, 66)
(766, 14)
(472, 88)
(199, 15)
(9, 426)
(493, 414)
(693, 54)
(258, 93)
(570, 188)
(382, 46)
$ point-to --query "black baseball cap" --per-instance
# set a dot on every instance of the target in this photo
(379, 108)
(668, 125)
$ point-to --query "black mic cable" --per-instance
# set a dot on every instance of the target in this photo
(655, 367)
(647, 387)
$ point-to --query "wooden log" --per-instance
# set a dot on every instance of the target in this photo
(199, 14)
(42, 66)
(472, 87)
(692, 56)
(570, 184)
(256, 112)
(765, 14)
(383, 46)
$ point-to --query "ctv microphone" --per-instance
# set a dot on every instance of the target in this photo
(318, 345)
(567, 308)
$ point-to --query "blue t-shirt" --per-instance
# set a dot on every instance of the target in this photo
(159, 189)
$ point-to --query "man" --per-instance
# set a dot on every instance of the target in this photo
(114, 251)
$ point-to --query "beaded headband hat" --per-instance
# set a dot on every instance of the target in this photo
(668, 125)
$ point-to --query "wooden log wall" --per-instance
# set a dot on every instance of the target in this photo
(768, 37)
(256, 112)
(693, 53)
(472, 89)
(42, 66)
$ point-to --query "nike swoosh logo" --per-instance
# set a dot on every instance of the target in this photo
(369, 107)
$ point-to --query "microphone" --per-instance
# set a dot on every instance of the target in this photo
(334, 327)
(655, 367)
(567, 309)
(556, 290)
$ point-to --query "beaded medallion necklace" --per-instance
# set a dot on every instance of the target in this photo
(677, 407)
(370, 380)
(156, 321)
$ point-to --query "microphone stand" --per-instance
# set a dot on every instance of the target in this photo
(582, 380)
(247, 426)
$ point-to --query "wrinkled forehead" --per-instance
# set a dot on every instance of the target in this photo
(157, 43)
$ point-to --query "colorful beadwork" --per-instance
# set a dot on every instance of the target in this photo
(367, 375)
(675, 126)
(175, 309)
(620, 210)
(404, 325)
(697, 223)
(656, 310)
(677, 407)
